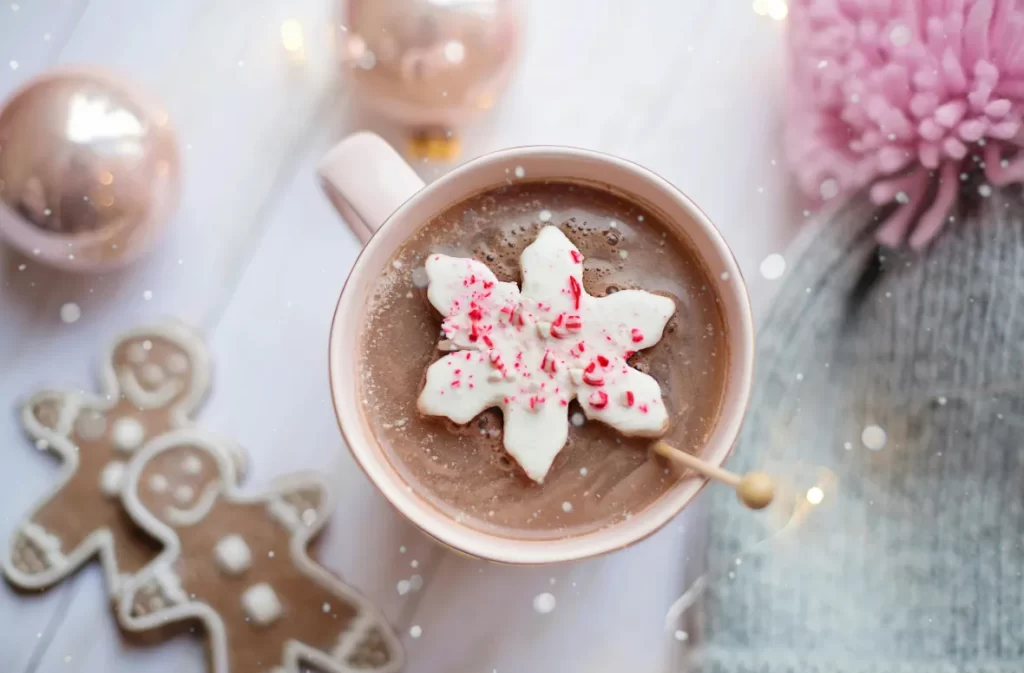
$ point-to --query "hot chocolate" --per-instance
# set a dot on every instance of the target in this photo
(600, 475)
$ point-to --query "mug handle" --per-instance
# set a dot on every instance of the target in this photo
(366, 180)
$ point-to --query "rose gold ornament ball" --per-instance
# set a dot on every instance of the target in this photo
(430, 63)
(89, 170)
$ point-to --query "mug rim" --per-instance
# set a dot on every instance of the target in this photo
(535, 551)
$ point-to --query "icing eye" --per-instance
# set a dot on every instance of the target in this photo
(177, 363)
(152, 374)
(158, 483)
(191, 465)
(136, 353)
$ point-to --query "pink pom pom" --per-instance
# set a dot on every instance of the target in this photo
(905, 97)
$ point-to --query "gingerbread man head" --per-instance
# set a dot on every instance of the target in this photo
(152, 379)
(239, 563)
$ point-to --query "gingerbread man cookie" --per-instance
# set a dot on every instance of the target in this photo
(240, 565)
(152, 380)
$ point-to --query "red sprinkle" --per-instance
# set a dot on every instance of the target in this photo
(638, 336)
(590, 378)
(580, 347)
(468, 355)
(488, 341)
(576, 290)
(573, 323)
(643, 408)
(630, 398)
(576, 256)
(476, 314)
(458, 371)
(474, 333)
(598, 399)
(456, 384)
(535, 402)
(602, 360)
(488, 284)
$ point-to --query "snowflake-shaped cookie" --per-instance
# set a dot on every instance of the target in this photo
(531, 352)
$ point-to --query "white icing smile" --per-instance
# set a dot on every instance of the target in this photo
(531, 352)
(158, 397)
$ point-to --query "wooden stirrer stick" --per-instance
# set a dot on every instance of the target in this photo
(756, 490)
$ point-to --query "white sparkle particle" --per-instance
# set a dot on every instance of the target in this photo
(799, 376)
(397, 264)
(403, 587)
(773, 266)
(401, 550)
(848, 446)
(14, 65)
(545, 216)
(874, 437)
(70, 312)
(942, 401)
(566, 506)
(902, 198)
(985, 190)
(828, 188)
(42, 444)
(623, 254)
(47, 37)
(815, 495)
(724, 275)
(241, 64)
(614, 224)
(22, 267)
(67, 659)
(544, 603)
(578, 419)
(682, 636)
(454, 51)
(520, 172)
(416, 582)
(414, 564)
(326, 607)
(147, 295)
(583, 471)
(15, 6)
(415, 631)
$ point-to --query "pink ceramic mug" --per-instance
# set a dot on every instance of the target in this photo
(384, 202)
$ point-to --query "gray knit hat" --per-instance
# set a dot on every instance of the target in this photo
(911, 562)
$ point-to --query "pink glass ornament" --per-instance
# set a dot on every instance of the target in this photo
(429, 63)
(89, 170)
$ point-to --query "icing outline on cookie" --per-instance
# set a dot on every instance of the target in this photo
(295, 653)
(100, 542)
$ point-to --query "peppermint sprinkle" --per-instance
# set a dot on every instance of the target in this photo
(544, 603)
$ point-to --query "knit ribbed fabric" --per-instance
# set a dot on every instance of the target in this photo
(912, 561)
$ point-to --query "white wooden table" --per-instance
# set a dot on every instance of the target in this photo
(256, 257)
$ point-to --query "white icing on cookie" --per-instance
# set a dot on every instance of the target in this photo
(112, 478)
(152, 374)
(47, 543)
(233, 555)
(184, 494)
(261, 604)
(177, 363)
(285, 513)
(158, 483)
(159, 397)
(128, 434)
(170, 584)
(136, 353)
(90, 425)
(191, 465)
(531, 352)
